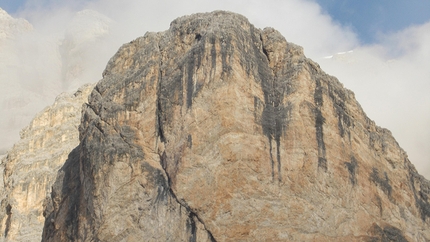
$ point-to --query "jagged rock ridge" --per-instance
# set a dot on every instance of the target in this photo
(215, 130)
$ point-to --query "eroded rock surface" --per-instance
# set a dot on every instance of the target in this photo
(215, 130)
(30, 167)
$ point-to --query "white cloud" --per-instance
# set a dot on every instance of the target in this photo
(300, 21)
(389, 79)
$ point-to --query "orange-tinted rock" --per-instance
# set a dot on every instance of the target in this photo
(217, 130)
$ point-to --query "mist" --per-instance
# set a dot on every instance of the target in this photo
(68, 43)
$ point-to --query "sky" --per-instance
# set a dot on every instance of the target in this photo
(378, 49)
(370, 18)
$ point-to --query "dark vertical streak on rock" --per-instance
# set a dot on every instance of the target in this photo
(163, 160)
(422, 196)
(344, 122)
(274, 118)
(226, 51)
(169, 95)
(158, 111)
(8, 220)
(278, 158)
(213, 56)
(272, 163)
(319, 122)
(382, 182)
(266, 77)
(379, 201)
(194, 62)
(158, 115)
(256, 109)
(159, 123)
(318, 94)
(162, 185)
(190, 82)
(192, 228)
(190, 141)
(352, 169)
(339, 120)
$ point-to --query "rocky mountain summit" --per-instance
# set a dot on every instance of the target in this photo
(215, 130)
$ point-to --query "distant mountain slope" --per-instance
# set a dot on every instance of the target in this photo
(35, 68)
(30, 167)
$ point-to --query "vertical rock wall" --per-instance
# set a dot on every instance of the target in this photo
(216, 130)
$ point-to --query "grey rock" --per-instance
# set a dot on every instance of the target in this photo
(215, 130)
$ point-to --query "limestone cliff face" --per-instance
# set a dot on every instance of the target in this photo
(215, 130)
(30, 168)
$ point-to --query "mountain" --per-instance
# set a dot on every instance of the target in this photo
(30, 167)
(13, 96)
(215, 130)
(10, 27)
